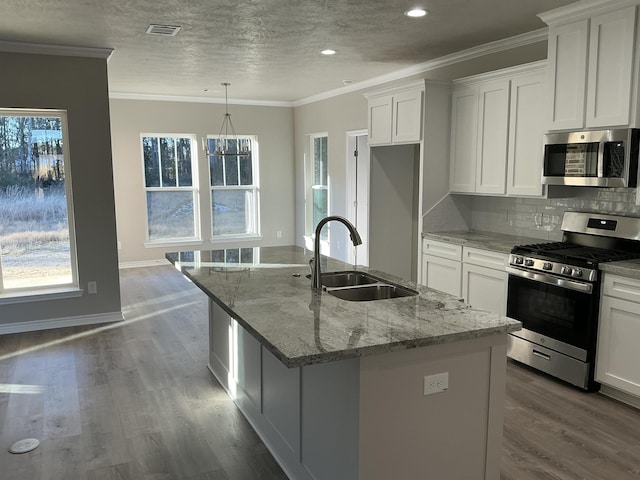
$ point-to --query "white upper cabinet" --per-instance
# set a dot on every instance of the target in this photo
(395, 115)
(464, 132)
(493, 130)
(591, 55)
(497, 127)
(526, 130)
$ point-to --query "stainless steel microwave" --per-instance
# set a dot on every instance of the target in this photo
(604, 158)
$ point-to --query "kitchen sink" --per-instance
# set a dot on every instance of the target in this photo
(376, 291)
(347, 279)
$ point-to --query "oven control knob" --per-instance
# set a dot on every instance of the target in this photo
(528, 262)
(577, 272)
(547, 266)
(518, 260)
(566, 270)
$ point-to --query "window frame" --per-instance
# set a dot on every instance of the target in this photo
(254, 187)
(310, 186)
(58, 290)
(196, 238)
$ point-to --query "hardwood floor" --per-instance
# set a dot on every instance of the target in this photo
(135, 401)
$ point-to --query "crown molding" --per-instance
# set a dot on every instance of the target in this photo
(524, 39)
(188, 99)
(524, 69)
(61, 50)
(582, 10)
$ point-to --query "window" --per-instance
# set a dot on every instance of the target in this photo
(170, 180)
(234, 189)
(319, 182)
(37, 248)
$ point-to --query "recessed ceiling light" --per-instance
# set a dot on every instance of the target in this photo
(328, 51)
(416, 12)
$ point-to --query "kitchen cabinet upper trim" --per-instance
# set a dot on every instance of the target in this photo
(397, 89)
(583, 10)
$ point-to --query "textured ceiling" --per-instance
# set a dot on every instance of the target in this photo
(266, 49)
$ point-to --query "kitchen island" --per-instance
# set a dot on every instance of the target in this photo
(335, 388)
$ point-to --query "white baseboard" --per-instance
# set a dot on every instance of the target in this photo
(144, 263)
(19, 327)
(621, 396)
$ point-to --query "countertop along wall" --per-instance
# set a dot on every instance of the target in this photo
(273, 126)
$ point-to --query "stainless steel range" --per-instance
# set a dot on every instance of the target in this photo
(554, 290)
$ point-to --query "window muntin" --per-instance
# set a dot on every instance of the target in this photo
(234, 189)
(170, 180)
(37, 242)
(319, 182)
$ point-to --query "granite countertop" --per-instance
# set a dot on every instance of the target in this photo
(628, 268)
(272, 299)
(496, 242)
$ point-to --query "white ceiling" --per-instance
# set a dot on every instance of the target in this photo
(268, 50)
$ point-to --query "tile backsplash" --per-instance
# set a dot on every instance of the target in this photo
(529, 217)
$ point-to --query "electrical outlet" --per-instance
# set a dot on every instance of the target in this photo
(279, 234)
(436, 383)
(92, 288)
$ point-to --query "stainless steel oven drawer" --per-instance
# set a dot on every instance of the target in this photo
(549, 361)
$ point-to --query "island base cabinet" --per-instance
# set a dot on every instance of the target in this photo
(367, 418)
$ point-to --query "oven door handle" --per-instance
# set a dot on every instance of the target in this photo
(552, 280)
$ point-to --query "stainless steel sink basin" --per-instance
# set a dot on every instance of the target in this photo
(347, 279)
(365, 293)
(356, 286)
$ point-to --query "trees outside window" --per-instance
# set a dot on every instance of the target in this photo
(37, 247)
(233, 179)
(319, 182)
(170, 176)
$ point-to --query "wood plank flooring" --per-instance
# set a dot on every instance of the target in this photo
(134, 401)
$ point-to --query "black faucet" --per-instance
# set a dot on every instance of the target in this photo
(316, 274)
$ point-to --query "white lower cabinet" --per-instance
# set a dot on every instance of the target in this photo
(441, 266)
(485, 288)
(484, 279)
(618, 355)
(476, 275)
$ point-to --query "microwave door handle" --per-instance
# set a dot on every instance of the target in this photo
(600, 165)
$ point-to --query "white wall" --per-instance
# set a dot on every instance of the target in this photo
(274, 128)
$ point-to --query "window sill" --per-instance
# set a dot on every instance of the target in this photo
(46, 294)
(235, 238)
(171, 243)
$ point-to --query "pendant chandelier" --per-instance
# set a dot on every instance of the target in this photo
(227, 142)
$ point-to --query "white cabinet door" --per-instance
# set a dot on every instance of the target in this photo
(611, 44)
(567, 74)
(526, 130)
(464, 128)
(380, 120)
(407, 117)
(485, 288)
(493, 129)
(442, 274)
(618, 356)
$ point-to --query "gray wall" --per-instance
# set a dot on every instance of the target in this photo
(79, 86)
(274, 129)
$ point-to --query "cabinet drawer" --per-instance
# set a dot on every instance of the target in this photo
(485, 258)
(621, 287)
(442, 249)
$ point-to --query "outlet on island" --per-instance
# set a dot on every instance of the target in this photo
(436, 383)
